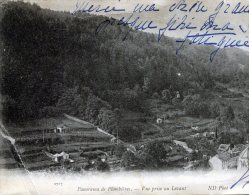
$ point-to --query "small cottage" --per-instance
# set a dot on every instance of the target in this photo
(60, 129)
(159, 121)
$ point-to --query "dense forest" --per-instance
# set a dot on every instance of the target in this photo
(54, 62)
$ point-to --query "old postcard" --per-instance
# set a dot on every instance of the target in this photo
(124, 97)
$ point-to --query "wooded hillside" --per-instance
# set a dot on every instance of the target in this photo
(54, 62)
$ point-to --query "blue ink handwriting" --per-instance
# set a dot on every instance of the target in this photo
(210, 32)
(135, 23)
(145, 8)
(213, 39)
(90, 8)
(182, 6)
(210, 24)
(243, 177)
(173, 24)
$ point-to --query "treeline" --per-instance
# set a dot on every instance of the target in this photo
(53, 62)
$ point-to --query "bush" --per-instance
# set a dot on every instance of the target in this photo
(107, 120)
(130, 133)
(166, 96)
(50, 111)
(204, 109)
(227, 115)
(93, 107)
(119, 150)
(71, 102)
(102, 165)
(195, 106)
(215, 109)
(155, 95)
(128, 160)
(155, 152)
(231, 138)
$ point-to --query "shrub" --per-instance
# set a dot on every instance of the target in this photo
(195, 106)
(155, 95)
(130, 133)
(119, 150)
(128, 160)
(215, 109)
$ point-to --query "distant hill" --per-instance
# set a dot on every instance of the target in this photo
(46, 54)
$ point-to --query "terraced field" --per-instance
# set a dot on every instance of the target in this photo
(79, 139)
(7, 159)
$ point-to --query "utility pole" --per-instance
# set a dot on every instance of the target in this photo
(117, 136)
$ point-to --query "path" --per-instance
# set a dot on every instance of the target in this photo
(129, 147)
(20, 177)
(157, 127)
(233, 90)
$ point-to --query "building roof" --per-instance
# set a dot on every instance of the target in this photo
(244, 152)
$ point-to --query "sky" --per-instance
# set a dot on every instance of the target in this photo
(163, 15)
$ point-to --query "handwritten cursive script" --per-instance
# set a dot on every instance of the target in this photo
(200, 28)
(242, 178)
(86, 7)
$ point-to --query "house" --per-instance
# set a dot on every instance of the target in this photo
(195, 135)
(231, 156)
(195, 128)
(159, 121)
(243, 159)
(60, 129)
(209, 134)
(59, 156)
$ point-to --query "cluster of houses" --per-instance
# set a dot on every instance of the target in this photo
(231, 156)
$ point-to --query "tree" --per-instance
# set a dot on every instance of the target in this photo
(102, 165)
(197, 106)
(131, 99)
(71, 102)
(31, 64)
(119, 150)
(228, 116)
(45, 53)
(128, 160)
(166, 96)
(9, 106)
(108, 120)
(129, 132)
(93, 107)
(244, 117)
(156, 152)
(215, 109)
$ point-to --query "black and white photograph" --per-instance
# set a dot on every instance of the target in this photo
(124, 97)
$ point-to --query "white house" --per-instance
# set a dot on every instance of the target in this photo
(243, 159)
(60, 129)
(59, 156)
(195, 128)
(159, 121)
